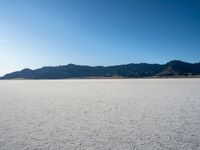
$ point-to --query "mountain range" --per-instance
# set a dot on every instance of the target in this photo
(173, 68)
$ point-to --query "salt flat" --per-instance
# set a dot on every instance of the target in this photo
(102, 114)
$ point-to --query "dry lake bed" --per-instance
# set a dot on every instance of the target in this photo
(100, 114)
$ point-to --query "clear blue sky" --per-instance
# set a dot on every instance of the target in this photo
(36, 33)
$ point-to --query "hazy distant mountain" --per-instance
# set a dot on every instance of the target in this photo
(172, 68)
(179, 68)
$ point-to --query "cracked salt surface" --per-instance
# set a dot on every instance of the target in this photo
(109, 114)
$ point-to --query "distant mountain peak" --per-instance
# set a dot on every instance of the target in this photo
(26, 69)
(70, 64)
(176, 62)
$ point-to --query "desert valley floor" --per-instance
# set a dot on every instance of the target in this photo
(100, 114)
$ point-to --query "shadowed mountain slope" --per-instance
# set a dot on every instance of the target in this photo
(172, 68)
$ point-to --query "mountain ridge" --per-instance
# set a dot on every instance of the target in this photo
(173, 68)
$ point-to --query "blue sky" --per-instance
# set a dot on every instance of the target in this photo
(36, 33)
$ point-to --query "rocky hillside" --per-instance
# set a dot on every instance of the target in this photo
(170, 69)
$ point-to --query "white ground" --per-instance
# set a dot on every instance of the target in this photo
(137, 114)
